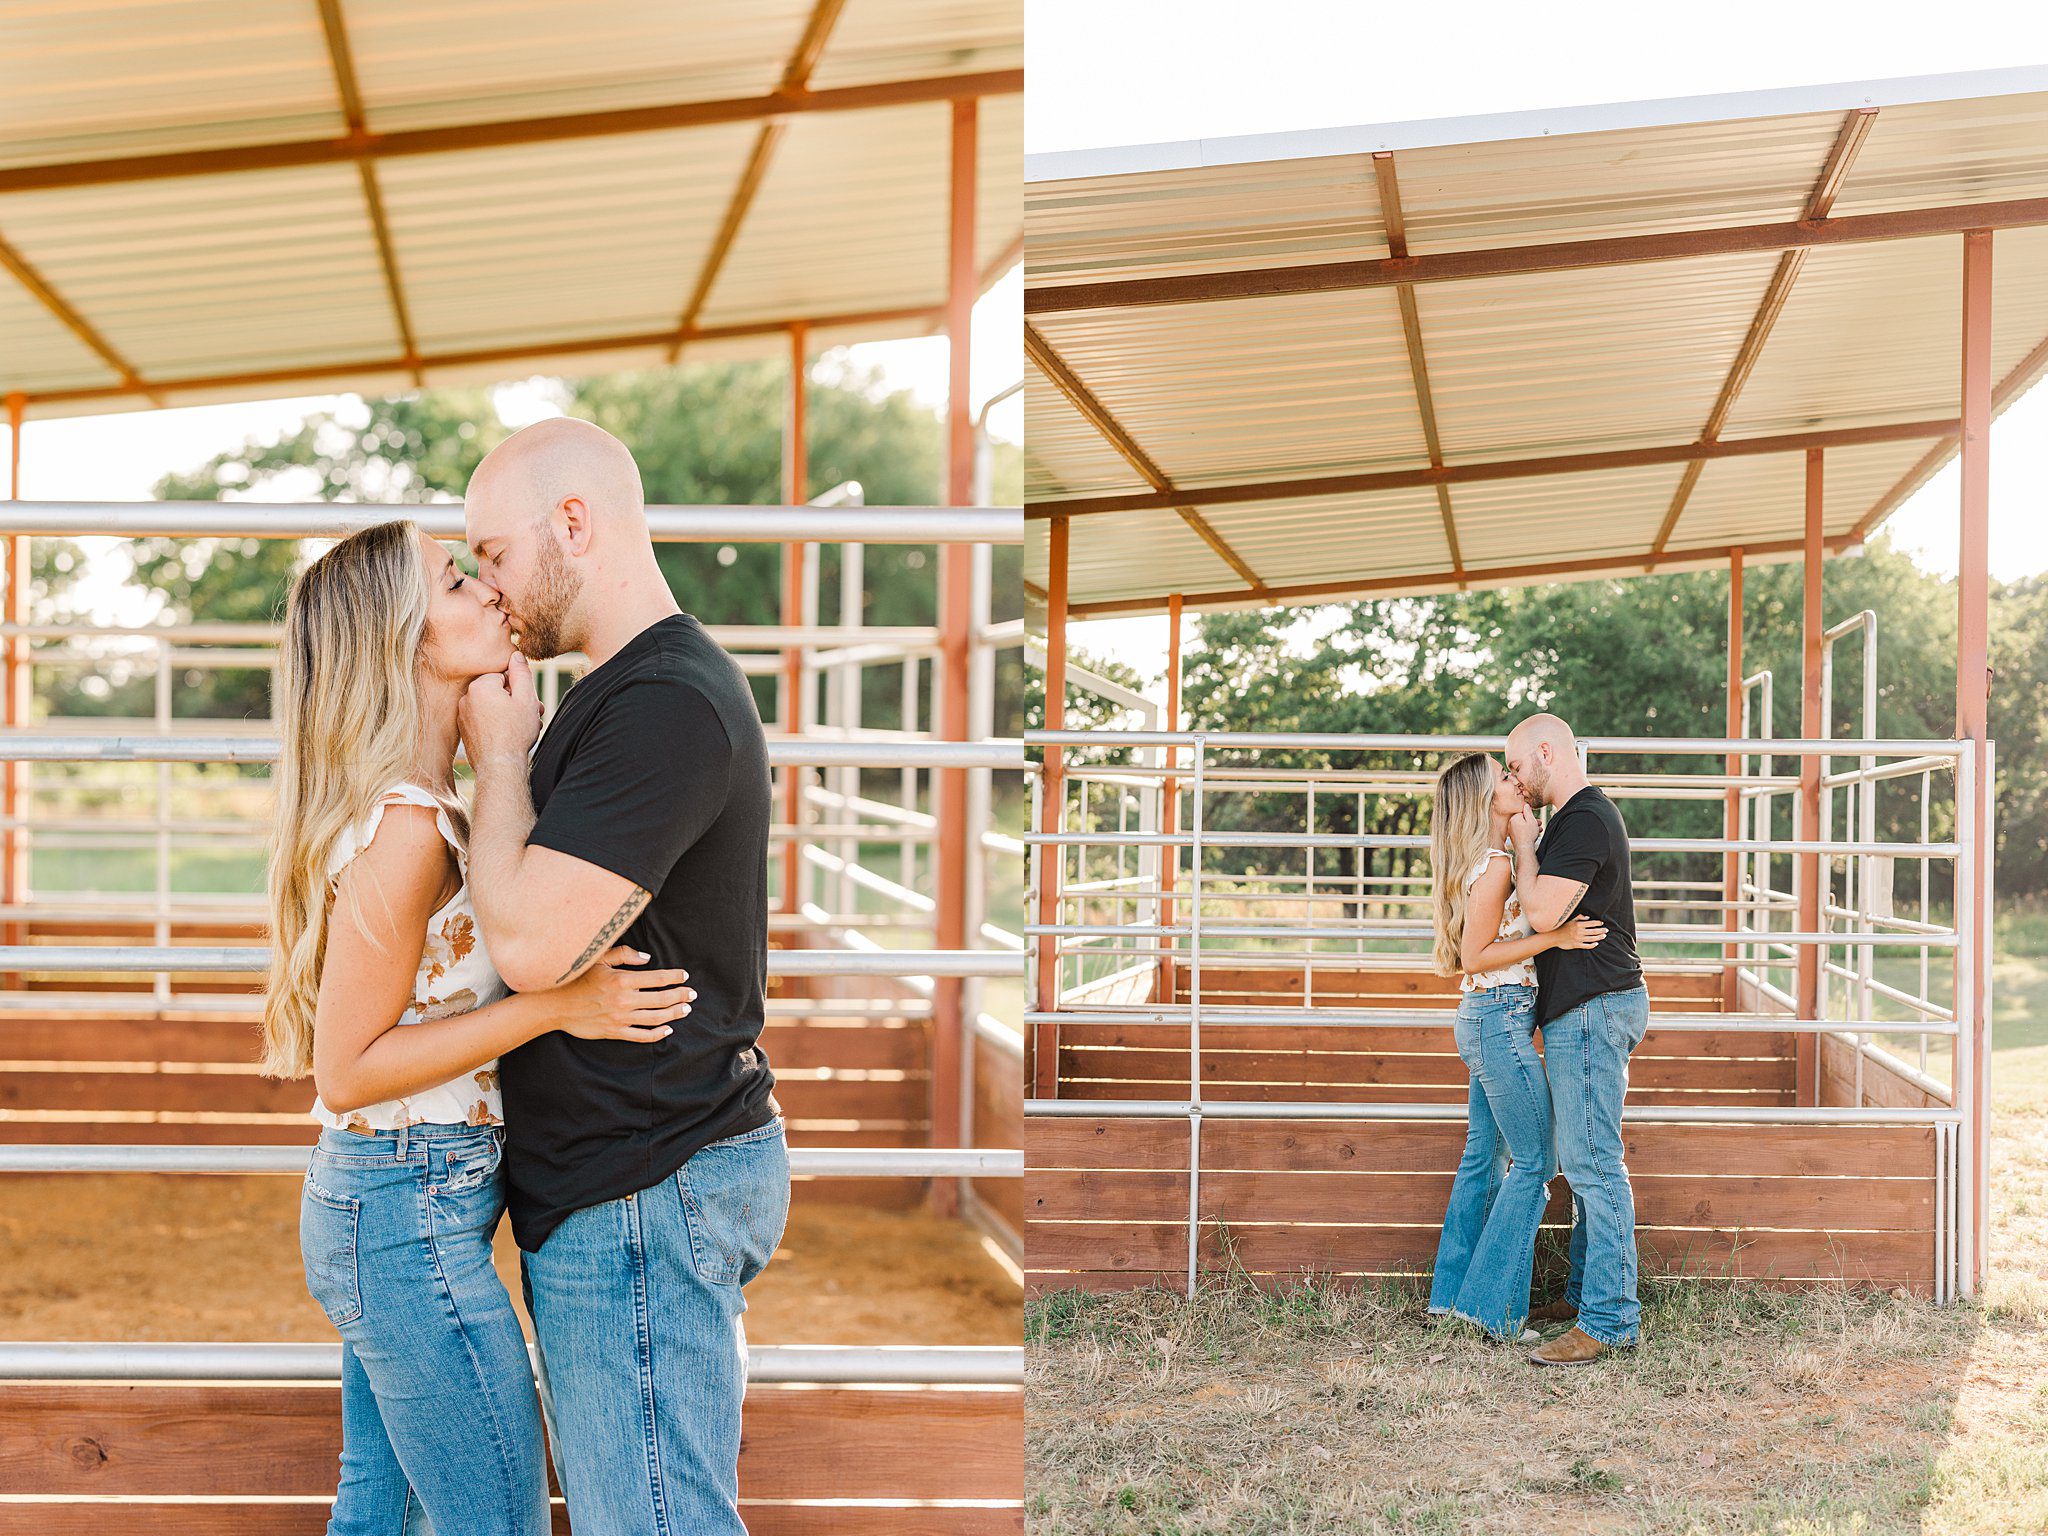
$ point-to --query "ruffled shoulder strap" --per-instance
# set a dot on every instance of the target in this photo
(1480, 868)
(358, 837)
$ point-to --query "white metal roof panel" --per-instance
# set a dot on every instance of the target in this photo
(1251, 391)
(1282, 386)
(234, 281)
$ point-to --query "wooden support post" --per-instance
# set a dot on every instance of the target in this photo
(1052, 787)
(1169, 802)
(1809, 865)
(1973, 708)
(1731, 821)
(956, 603)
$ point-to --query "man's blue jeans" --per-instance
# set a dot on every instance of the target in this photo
(636, 1308)
(1585, 1052)
(1488, 1247)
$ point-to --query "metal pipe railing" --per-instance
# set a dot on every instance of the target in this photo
(37, 746)
(1252, 917)
(950, 1365)
(806, 524)
(804, 1162)
(210, 957)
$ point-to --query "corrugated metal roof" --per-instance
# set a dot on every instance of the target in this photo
(1257, 387)
(551, 217)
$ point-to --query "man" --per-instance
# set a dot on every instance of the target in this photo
(647, 1184)
(1593, 1010)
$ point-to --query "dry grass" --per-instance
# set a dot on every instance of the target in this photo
(1325, 1409)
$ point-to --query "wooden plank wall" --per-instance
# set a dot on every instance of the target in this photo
(135, 1072)
(159, 1446)
(1397, 1065)
(1107, 1200)
(999, 1122)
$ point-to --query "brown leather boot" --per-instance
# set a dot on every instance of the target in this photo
(1554, 1312)
(1573, 1348)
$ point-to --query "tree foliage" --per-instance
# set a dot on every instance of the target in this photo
(703, 435)
(1634, 656)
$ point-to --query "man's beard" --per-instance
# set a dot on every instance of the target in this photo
(1536, 787)
(548, 598)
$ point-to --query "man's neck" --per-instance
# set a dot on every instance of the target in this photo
(621, 612)
(1562, 789)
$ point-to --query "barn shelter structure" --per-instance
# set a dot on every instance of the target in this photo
(1538, 347)
(229, 202)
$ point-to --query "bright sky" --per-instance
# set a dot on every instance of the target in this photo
(1227, 68)
(121, 457)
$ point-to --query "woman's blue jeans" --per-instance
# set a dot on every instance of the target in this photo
(439, 1413)
(1487, 1253)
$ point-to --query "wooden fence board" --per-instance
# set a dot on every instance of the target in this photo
(158, 1439)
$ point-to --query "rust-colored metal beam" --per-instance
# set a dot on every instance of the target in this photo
(1973, 706)
(1045, 1037)
(795, 491)
(952, 698)
(796, 76)
(342, 59)
(1169, 800)
(15, 688)
(1396, 224)
(1368, 481)
(1807, 972)
(2022, 377)
(533, 351)
(1731, 818)
(1096, 414)
(1445, 581)
(506, 133)
(1520, 260)
(1819, 203)
(132, 383)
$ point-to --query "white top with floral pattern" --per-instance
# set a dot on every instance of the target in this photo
(455, 975)
(1514, 924)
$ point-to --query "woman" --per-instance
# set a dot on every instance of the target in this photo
(381, 989)
(1487, 1253)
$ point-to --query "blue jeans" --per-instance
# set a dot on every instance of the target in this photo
(1487, 1253)
(1586, 1050)
(636, 1307)
(438, 1412)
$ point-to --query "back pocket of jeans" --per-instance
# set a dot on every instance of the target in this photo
(735, 1202)
(327, 1243)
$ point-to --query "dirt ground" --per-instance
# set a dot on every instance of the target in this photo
(191, 1257)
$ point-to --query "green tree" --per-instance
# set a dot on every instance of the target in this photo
(1635, 656)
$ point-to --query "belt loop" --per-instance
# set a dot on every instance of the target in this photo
(403, 1128)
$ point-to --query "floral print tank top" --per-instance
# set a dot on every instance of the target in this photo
(455, 975)
(1514, 924)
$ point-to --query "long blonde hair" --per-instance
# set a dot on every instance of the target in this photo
(1459, 827)
(350, 720)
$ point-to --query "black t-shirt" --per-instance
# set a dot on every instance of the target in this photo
(1586, 841)
(654, 767)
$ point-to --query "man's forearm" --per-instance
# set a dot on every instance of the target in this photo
(497, 849)
(1526, 871)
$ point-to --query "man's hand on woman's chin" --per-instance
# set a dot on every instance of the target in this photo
(500, 714)
(1522, 829)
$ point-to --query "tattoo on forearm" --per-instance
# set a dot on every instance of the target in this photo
(611, 930)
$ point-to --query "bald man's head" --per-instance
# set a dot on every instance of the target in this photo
(555, 506)
(1543, 758)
